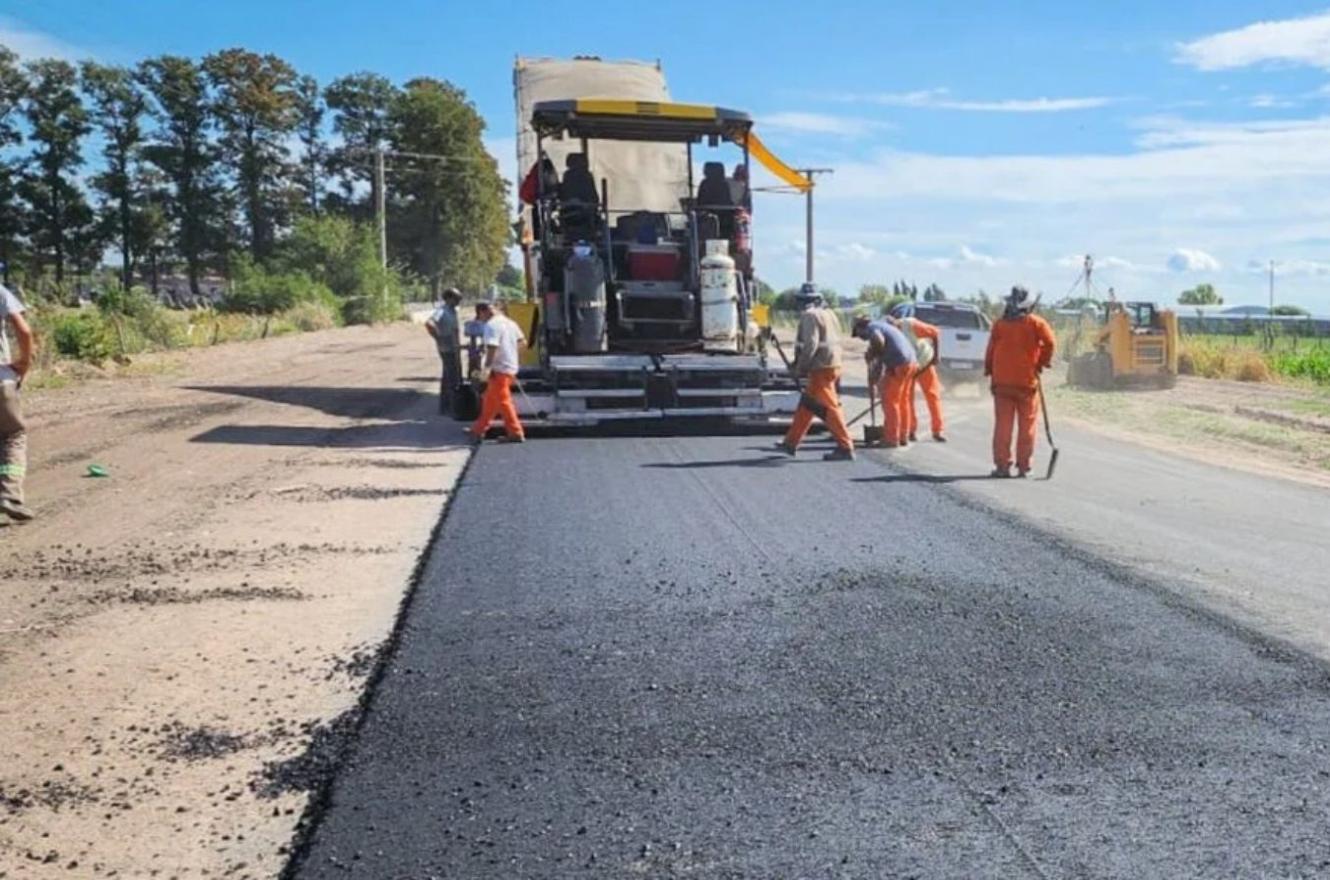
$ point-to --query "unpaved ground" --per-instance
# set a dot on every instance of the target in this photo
(181, 643)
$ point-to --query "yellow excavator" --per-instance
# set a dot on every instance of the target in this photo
(1136, 344)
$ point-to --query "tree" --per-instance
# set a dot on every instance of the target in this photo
(118, 107)
(256, 109)
(876, 294)
(1200, 295)
(1290, 311)
(449, 213)
(763, 292)
(181, 150)
(361, 104)
(58, 123)
(13, 89)
(313, 151)
(933, 293)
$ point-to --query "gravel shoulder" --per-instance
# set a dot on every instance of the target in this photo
(183, 644)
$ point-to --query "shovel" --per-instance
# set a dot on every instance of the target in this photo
(872, 431)
(1048, 431)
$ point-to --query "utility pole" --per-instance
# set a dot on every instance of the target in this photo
(380, 206)
(808, 218)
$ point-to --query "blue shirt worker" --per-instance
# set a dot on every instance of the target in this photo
(443, 326)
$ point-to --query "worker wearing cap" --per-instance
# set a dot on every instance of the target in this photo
(817, 359)
(892, 364)
(443, 326)
(503, 339)
(927, 342)
(13, 429)
(1020, 347)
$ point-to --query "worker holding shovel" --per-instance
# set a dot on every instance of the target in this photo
(892, 365)
(1020, 347)
(817, 358)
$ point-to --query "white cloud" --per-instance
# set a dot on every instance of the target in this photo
(855, 252)
(1106, 264)
(940, 99)
(966, 256)
(820, 123)
(31, 44)
(1268, 102)
(1304, 41)
(1191, 260)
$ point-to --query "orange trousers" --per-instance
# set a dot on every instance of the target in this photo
(498, 401)
(821, 387)
(1019, 409)
(895, 393)
(929, 383)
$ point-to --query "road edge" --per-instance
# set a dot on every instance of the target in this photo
(320, 800)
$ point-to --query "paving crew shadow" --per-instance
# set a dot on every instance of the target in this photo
(769, 461)
(922, 478)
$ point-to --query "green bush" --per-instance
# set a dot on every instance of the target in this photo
(256, 290)
(81, 335)
(310, 316)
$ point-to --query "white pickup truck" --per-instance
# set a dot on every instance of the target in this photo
(963, 330)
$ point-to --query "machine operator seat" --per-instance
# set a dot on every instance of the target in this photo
(578, 183)
(715, 196)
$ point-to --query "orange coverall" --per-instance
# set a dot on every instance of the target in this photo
(895, 393)
(927, 381)
(821, 387)
(1019, 349)
(498, 401)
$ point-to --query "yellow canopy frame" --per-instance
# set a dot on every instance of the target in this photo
(773, 163)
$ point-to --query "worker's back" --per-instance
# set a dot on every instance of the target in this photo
(818, 344)
(1017, 349)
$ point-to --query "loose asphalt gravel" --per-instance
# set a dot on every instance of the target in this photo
(688, 657)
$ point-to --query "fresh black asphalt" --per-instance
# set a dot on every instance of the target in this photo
(687, 657)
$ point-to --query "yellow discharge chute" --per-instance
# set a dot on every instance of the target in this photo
(773, 163)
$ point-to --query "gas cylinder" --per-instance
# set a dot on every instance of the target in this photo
(720, 299)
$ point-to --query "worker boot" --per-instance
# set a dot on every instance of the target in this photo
(1001, 473)
(914, 438)
(17, 511)
(940, 438)
(840, 453)
(786, 448)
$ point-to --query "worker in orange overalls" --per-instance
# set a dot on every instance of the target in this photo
(1020, 347)
(892, 363)
(817, 358)
(926, 378)
(503, 338)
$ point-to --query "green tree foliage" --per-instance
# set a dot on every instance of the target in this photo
(59, 220)
(763, 292)
(13, 89)
(313, 150)
(449, 218)
(1200, 295)
(181, 149)
(361, 104)
(118, 107)
(933, 293)
(342, 255)
(1290, 311)
(256, 107)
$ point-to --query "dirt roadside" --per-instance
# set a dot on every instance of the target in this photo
(181, 642)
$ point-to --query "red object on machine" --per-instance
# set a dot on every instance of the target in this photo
(653, 262)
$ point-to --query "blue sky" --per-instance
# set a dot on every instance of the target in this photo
(976, 144)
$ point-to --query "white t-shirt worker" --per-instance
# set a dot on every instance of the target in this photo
(503, 339)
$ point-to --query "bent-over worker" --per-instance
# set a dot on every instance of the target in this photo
(1020, 347)
(817, 359)
(892, 362)
(13, 429)
(926, 377)
(503, 338)
(443, 326)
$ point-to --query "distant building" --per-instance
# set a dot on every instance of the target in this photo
(173, 290)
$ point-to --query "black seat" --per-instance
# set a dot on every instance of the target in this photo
(579, 185)
(714, 190)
